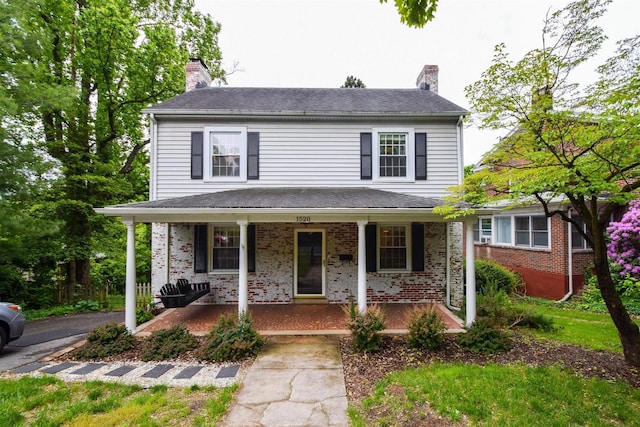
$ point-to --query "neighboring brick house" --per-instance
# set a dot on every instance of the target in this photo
(550, 258)
(279, 195)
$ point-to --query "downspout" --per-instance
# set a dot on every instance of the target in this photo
(447, 300)
(569, 260)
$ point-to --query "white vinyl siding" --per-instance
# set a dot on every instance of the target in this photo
(297, 154)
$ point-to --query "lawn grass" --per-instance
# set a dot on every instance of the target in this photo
(515, 395)
(588, 329)
(47, 401)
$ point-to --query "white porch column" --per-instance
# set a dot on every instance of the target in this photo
(243, 285)
(471, 274)
(130, 283)
(362, 268)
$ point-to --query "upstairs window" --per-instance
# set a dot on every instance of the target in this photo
(226, 154)
(393, 154)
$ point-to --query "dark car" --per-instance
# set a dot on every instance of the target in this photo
(11, 323)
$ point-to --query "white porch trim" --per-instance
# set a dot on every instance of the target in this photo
(471, 275)
(130, 283)
(243, 278)
(362, 267)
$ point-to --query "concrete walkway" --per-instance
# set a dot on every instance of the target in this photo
(295, 381)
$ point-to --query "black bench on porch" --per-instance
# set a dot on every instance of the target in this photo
(182, 293)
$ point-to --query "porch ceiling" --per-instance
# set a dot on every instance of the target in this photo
(292, 204)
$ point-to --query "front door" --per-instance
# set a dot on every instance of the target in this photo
(309, 263)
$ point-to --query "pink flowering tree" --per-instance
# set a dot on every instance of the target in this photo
(624, 247)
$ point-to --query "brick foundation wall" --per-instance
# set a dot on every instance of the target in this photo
(273, 280)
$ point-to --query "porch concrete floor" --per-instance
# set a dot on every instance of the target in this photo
(285, 319)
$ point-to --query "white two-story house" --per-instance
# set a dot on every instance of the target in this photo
(277, 195)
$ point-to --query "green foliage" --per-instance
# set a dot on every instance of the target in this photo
(84, 306)
(365, 328)
(166, 344)
(353, 82)
(485, 337)
(491, 273)
(426, 329)
(232, 339)
(105, 341)
(628, 288)
(415, 13)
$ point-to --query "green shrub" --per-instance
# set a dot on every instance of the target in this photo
(84, 306)
(485, 338)
(529, 318)
(166, 344)
(105, 341)
(232, 339)
(365, 328)
(495, 305)
(143, 315)
(426, 329)
(491, 272)
(627, 286)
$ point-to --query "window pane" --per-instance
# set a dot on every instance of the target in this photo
(476, 232)
(486, 226)
(226, 248)
(522, 238)
(541, 238)
(393, 247)
(539, 223)
(577, 241)
(225, 154)
(393, 154)
(503, 229)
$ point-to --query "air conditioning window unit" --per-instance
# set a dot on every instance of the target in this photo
(485, 239)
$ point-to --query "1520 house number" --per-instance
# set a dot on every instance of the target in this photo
(303, 219)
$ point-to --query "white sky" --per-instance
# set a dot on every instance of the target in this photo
(318, 43)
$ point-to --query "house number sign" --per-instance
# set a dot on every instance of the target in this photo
(303, 219)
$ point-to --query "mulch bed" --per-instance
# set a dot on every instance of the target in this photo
(363, 371)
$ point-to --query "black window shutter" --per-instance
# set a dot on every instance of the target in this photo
(371, 243)
(365, 155)
(417, 247)
(253, 155)
(197, 155)
(421, 156)
(200, 248)
(251, 248)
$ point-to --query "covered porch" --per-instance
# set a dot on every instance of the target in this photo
(345, 213)
(290, 319)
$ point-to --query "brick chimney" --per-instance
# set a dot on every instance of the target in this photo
(197, 74)
(428, 78)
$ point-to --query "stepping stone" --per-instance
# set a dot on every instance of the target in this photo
(228, 371)
(122, 370)
(187, 373)
(28, 368)
(88, 368)
(158, 371)
(57, 368)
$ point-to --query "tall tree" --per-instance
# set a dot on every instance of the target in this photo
(97, 64)
(353, 82)
(579, 145)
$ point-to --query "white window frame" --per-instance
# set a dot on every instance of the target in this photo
(496, 228)
(531, 231)
(483, 236)
(410, 153)
(210, 252)
(407, 233)
(208, 164)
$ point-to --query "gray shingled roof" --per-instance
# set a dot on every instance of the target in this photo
(275, 198)
(298, 101)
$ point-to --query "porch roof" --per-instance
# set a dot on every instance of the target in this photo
(290, 204)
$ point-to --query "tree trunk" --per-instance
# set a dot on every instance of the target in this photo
(628, 331)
